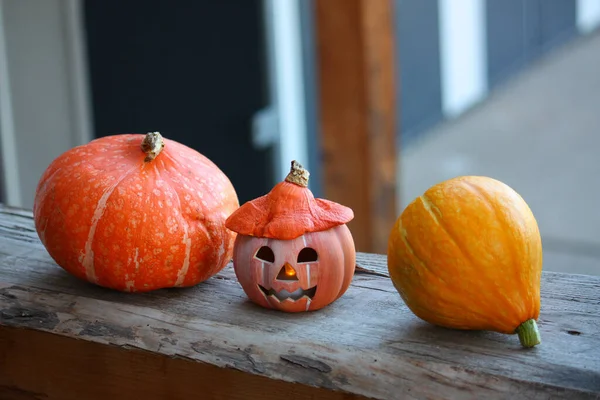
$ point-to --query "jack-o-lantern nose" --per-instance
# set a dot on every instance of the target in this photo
(287, 273)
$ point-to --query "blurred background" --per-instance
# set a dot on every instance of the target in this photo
(379, 99)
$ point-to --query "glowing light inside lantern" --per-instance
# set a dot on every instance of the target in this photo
(289, 271)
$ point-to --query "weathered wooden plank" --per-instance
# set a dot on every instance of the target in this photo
(358, 117)
(365, 344)
(71, 367)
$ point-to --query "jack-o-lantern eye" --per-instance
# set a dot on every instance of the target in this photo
(307, 255)
(265, 254)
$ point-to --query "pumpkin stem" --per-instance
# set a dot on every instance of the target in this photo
(298, 175)
(152, 145)
(529, 335)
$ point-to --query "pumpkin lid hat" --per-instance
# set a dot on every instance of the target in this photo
(288, 211)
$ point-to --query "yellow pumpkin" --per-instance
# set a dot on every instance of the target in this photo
(467, 254)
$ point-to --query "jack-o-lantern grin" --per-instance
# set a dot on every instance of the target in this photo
(287, 273)
(283, 294)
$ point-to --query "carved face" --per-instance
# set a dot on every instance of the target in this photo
(306, 273)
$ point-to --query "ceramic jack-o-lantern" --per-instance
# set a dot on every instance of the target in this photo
(293, 252)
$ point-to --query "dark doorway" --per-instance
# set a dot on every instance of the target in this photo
(193, 70)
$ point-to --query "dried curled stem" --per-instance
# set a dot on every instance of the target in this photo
(298, 175)
(152, 145)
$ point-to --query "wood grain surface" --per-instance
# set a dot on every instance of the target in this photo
(62, 338)
(356, 70)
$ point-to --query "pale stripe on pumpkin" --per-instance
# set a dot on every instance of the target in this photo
(186, 262)
(87, 258)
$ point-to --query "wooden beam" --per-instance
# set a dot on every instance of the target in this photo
(62, 338)
(356, 75)
(41, 365)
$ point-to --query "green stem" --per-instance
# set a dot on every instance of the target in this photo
(529, 335)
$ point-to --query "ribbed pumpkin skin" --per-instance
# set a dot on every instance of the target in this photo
(468, 255)
(108, 216)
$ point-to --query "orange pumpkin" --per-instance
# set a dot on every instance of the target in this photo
(467, 254)
(136, 213)
(293, 252)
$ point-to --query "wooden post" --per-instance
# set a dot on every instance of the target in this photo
(356, 73)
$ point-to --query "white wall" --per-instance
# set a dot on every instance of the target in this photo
(283, 123)
(8, 147)
(44, 95)
(588, 15)
(463, 54)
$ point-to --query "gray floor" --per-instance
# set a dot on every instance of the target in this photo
(540, 134)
